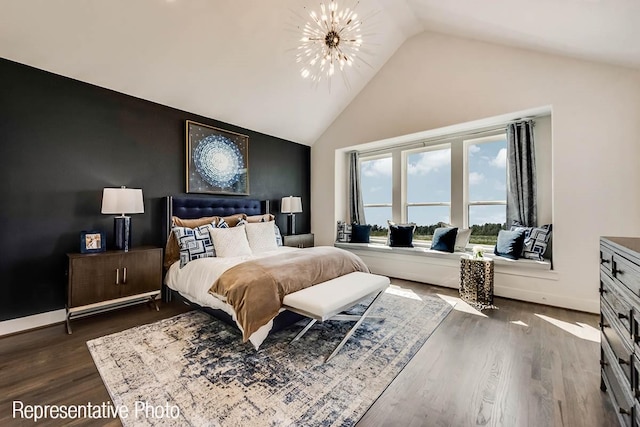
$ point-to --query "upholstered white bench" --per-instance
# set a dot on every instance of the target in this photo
(325, 300)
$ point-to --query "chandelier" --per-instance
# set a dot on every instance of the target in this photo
(330, 40)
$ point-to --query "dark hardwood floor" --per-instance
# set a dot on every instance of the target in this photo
(519, 365)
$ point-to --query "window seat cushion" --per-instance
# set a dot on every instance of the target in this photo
(445, 256)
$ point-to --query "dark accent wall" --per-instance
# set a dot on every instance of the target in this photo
(62, 141)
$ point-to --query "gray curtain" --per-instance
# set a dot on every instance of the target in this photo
(521, 164)
(356, 206)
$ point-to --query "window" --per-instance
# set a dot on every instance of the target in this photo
(377, 194)
(486, 183)
(428, 189)
(459, 180)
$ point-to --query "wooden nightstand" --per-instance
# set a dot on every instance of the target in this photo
(298, 240)
(112, 279)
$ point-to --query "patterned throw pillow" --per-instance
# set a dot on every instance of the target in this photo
(194, 243)
(172, 249)
(230, 242)
(536, 240)
(343, 232)
(279, 241)
(261, 237)
(232, 220)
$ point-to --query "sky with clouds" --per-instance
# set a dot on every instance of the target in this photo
(429, 180)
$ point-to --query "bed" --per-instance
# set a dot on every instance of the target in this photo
(192, 282)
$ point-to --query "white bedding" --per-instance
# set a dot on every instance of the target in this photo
(194, 280)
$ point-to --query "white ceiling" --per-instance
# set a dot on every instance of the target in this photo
(235, 60)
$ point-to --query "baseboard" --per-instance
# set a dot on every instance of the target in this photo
(20, 324)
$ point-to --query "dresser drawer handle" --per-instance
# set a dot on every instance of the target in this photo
(604, 363)
(124, 279)
(117, 276)
(622, 361)
(603, 291)
(614, 269)
(623, 316)
(624, 411)
(603, 325)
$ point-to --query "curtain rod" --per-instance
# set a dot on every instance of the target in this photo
(429, 141)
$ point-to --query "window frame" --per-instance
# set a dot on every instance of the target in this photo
(368, 158)
(467, 203)
(459, 185)
(405, 153)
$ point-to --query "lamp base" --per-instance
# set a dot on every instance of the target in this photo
(291, 220)
(122, 232)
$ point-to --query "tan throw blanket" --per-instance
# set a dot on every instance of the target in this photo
(256, 288)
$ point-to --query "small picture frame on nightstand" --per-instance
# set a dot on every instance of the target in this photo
(92, 241)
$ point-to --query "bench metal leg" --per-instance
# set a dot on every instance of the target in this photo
(353, 329)
(304, 331)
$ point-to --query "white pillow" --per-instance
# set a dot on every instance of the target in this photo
(462, 239)
(230, 242)
(261, 236)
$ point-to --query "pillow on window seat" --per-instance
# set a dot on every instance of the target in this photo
(343, 232)
(509, 244)
(444, 239)
(462, 238)
(401, 236)
(536, 240)
(360, 233)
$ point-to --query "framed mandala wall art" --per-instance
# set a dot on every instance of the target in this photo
(217, 160)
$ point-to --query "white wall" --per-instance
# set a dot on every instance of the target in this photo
(435, 80)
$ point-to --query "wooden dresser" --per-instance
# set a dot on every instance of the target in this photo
(620, 325)
(112, 279)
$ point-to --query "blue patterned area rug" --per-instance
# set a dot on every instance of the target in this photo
(198, 366)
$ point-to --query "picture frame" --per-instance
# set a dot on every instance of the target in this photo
(217, 160)
(92, 242)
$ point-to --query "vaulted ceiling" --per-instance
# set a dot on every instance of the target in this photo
(235, 60)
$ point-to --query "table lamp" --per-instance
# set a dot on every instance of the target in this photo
(291, 205)
(122, 201)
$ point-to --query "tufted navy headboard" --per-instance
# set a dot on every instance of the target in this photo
(197, 206)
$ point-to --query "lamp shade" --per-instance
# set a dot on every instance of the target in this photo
(122, 201)
(291, 205)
